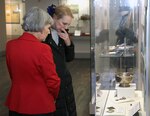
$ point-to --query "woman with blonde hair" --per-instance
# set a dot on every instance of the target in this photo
(63, 51)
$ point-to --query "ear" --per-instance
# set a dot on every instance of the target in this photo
(40, 32)
(54, 17)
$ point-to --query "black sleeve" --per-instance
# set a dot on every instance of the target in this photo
(69, 52)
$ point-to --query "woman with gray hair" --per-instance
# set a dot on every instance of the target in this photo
(35, 83)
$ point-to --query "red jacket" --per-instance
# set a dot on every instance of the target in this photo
(35, 83)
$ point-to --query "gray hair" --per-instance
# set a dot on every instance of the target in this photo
(36, 19)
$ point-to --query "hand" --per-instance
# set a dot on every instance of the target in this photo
(64, 35)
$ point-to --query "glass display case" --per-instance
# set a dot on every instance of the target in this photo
(119, 51)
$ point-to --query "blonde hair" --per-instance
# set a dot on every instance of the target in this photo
(63, 10)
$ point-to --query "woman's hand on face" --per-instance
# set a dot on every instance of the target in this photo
(64, 35)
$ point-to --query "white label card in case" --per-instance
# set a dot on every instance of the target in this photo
(77, 33)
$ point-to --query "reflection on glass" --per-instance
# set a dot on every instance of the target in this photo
(117, 33)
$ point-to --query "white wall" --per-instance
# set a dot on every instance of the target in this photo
(40, 3)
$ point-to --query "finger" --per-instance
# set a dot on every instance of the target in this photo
(62, 35)
(64, 30)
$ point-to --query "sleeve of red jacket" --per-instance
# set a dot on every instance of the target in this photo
(48, 69)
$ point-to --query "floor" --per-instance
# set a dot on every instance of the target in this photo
(80, 70)
(4, 86)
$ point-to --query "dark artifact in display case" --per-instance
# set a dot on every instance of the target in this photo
(124, 79)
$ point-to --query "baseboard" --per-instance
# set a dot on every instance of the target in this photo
(2, 53)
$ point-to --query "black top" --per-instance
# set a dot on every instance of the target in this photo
(65, 102)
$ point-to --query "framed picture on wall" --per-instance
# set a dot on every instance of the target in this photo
(12, 13)
(74, 8)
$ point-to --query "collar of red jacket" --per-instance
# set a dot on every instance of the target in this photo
(29, 37)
